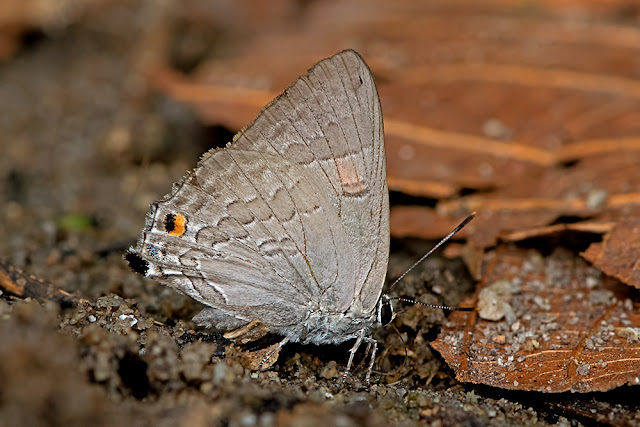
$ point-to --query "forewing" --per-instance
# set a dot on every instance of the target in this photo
(330, 123)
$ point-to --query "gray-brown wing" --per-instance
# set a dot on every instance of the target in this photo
(330, 123)
(249, 234)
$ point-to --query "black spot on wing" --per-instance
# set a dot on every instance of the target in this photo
(136, 263)
(170, 222)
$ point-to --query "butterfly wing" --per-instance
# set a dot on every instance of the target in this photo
(291, 217)
(330, 123)
(248, 243)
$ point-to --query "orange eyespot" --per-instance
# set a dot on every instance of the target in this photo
(175, 224)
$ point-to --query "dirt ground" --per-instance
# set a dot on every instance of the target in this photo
(82, 159)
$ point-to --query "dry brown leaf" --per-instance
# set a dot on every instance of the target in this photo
(560, 325)
(585, 227)
(254, 360)
(252, 331)
(16, 282)
(618, 255)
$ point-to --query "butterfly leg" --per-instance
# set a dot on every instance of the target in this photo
(374, 350)
(275, 350)
(352, 352)
(367, 349)
(370, 341)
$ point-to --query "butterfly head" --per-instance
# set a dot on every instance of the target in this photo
(385, 311)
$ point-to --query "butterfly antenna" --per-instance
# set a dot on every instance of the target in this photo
(442, 307)
(460, 226)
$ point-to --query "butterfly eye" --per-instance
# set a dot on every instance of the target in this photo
(385, 314)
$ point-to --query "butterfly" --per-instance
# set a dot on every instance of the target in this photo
(289, 223)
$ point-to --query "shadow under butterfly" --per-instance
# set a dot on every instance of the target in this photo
(289, 224)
